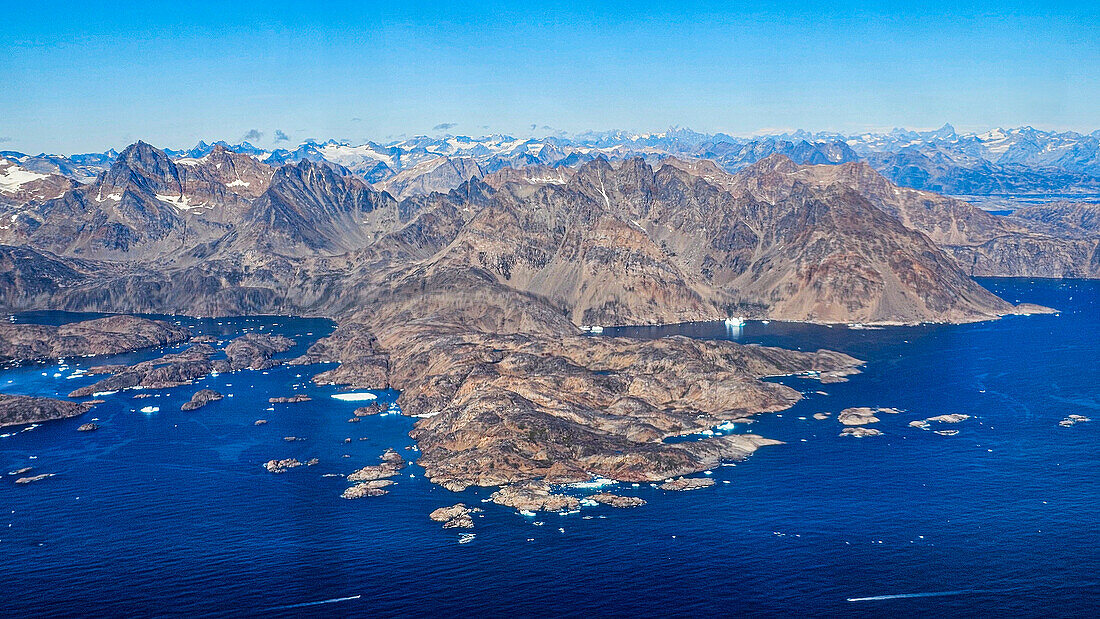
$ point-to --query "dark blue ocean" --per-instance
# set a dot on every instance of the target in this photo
(171, 513)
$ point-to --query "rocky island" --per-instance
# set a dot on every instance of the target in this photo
(102, 336)
(457, 516)
(201, 398)
(21, 409)
(249, 351)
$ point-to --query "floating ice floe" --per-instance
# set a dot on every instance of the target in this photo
(588, 503)
(99, 394)
(527, 513)
(151, 409)
(727, 426)
(596, 482)
(354, 397)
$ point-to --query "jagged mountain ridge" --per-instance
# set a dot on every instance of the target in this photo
(606, 244)
(1014, 161)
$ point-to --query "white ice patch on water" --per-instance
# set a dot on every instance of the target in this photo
(151, 409)
(354, 397)
(596, 482)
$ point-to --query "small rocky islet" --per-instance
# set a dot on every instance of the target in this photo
(201, 398)
(856, 421)
(457, 516)
(294, 399)
(371, 481)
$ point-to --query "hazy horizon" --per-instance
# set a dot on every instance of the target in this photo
(267, 141)
(108, 74)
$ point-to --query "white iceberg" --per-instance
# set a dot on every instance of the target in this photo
(354, 397)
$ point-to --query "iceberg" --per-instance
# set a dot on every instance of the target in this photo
(354, 397)
(596, 482)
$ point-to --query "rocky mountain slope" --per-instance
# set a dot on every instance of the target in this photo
(20, 185)
(435, 175)
(604, 244)
(981, 243)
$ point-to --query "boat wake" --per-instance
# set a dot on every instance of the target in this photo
(318, 603)
(928, 594)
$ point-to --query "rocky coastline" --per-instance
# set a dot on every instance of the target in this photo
(22, 409)
(102, 336)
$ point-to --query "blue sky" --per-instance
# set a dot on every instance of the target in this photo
(92, 75)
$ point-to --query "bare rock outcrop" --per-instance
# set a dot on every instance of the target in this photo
(294, 399)
(23, 409)
(102, 336)
(201, 398)
(457, 516)
(860, 432)
(534, 498)
(682, 484)
(251, 350)
(281, 466)
(857, 416)
(363, 363)
(372, 488)
(392, 463)
(615, 500)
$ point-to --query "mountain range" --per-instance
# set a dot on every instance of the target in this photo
(635, 240)
(466, 284)
(1019, 161)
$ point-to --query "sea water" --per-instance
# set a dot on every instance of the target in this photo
(172, 512)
